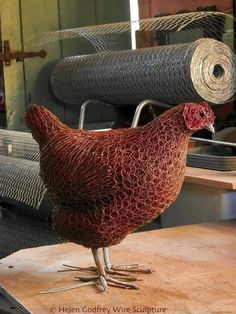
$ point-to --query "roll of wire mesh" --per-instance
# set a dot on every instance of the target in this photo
(204, 69)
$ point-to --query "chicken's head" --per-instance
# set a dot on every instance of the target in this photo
(198, 116)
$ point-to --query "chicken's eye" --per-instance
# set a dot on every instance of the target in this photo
(202, 114)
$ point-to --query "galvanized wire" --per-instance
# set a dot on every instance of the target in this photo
(105, 37)
(17, 232)
(171, 74)
(18, 145)
(19, 169)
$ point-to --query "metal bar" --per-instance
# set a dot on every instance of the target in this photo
(82, 114)
(83, 110)
(213, 141)
(140, 107)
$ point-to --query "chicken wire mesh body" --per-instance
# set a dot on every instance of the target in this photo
(172, 74)
(19, 169)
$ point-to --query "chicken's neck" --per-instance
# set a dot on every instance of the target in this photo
(167, 132)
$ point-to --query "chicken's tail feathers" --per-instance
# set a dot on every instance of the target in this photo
(42, 123)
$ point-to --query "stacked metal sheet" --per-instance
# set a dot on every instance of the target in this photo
(19, 169)
(212, 157)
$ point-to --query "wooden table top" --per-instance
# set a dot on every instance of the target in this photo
(217, 179)
(195, 273)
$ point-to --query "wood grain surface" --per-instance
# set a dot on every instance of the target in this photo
(218, 179)
(195, 273)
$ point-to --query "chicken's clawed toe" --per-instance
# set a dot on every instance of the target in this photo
(121, 284)
(66, 267)
(134, 268)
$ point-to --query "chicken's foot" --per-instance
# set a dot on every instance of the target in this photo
(117, 276)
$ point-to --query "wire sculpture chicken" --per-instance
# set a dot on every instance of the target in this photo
(104, 185)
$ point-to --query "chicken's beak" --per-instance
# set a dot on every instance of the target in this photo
(210, 128)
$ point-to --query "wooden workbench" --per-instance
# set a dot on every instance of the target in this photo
(213, 178)
(195, 274)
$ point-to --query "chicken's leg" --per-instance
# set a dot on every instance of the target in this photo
(100, 269)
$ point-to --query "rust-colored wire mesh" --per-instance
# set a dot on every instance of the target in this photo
(106, 184)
